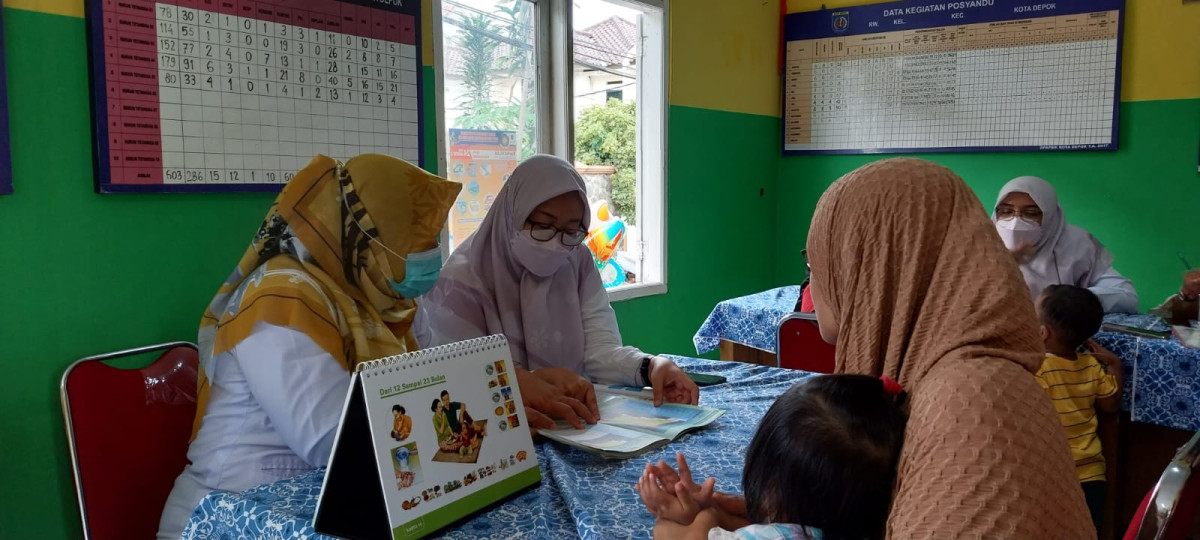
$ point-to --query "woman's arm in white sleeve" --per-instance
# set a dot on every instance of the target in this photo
(301, 387)
(420, 328)
(1115, 291)
(606, 360)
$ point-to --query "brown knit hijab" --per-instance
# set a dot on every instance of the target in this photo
(908, 264)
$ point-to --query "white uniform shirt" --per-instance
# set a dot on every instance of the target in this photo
(274, 405)
(1116, 292)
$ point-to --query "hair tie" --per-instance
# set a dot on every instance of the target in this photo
(890, 387)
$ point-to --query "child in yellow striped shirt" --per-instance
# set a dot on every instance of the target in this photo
(1081, 377)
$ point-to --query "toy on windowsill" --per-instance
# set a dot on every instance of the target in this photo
(602, 241)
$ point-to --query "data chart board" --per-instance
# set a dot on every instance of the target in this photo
(929, 76)
(238, 95)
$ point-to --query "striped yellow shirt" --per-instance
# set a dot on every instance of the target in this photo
(1074, 386)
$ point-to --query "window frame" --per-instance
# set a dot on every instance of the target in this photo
(554, 51)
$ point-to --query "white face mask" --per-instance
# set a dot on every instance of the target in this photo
(1016, 231)
(541, 259)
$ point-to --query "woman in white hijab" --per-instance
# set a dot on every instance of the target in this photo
(523, 274)
(1052, 252)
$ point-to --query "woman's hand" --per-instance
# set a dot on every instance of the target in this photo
(1191, 284)
(1177, 310)
(557, 393)
(671, 383)
(574, 385)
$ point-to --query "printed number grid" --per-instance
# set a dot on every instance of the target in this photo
(1047, 83)
(246, 100)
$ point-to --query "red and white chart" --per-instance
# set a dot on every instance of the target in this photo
(237, 95)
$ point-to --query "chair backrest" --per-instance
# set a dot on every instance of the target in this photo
(806, 303)
(128, 431)
(1168, 510)
(799, 345)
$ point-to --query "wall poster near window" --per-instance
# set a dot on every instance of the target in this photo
(237, 95)
(482, 160)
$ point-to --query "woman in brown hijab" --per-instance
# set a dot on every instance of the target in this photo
(911, 280)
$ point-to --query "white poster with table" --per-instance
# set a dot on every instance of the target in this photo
(953, 76)
(237, 95)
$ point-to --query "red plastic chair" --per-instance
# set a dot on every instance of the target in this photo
(1168, 510)
(806, 303)
(799, 345)
(128, 431)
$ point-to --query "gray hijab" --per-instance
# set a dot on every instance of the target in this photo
(1064, 254)
(483, 290)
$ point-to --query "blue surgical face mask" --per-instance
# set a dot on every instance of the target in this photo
(420, 273)
(421, 270)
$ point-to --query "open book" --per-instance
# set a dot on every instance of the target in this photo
(631, 425)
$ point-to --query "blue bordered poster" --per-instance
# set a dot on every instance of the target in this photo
(238, 95)
(938, 76)
(5, 148)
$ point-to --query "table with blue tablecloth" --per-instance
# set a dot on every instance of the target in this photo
(1162, 377)
(581, 495)
(751, 320)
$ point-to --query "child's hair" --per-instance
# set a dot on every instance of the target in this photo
(825, 456)
(397, 408)
(1073, 312)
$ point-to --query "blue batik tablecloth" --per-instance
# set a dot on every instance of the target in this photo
(581, 495)
(1162, 377)
(750, 320)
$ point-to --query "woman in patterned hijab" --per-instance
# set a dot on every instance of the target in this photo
(328, 281)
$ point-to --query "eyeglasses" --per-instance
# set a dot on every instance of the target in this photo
(545, 232)
(1031, 213)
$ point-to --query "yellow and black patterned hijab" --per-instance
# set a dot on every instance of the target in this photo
(314, 267)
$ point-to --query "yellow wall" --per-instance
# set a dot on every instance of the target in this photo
(1162, 50)
(724, 55)
(70, 8)
(731, 47)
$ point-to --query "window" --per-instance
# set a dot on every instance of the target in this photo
(617, 76)
(582, 79)
(489, 101)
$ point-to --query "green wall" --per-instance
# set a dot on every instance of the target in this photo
(1142, 201)
(84, 273)
(720, 224)
(88, 273)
